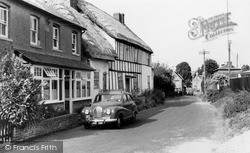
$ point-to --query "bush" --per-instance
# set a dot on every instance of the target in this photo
(19, 92)
(150, 98)
(239, 103)
(50, 112)
(213, 95)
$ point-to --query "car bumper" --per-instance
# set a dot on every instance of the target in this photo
(100, 121)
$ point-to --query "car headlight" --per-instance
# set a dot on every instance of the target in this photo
(86, 112)
(108, 111)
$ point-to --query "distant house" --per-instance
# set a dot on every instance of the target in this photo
(234, 71)
(196, 83)
(51, 43)
(131, 70)
(179, 82)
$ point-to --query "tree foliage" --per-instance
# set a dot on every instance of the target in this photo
(218, 79)
(18, 92)
(245, 68)
(163, 78)
(211, 66)
(184, 70)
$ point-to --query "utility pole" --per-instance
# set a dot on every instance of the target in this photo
(204, 52)
(229, 60)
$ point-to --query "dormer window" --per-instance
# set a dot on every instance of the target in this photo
(3, 21)
(33, 30)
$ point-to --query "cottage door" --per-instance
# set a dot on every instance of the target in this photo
(127, 84)
(67, 90)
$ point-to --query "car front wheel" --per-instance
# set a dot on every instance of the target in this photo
(119, 122)
(86, 125)
(134, 116)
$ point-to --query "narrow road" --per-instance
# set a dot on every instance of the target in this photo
(159, 130)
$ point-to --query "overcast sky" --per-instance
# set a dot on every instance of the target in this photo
(163, 25)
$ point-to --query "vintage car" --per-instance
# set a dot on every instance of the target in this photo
(110, 107)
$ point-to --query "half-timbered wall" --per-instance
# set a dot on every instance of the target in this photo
(126, 70)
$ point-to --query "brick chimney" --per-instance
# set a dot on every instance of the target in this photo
(73, 3)
(119, 17)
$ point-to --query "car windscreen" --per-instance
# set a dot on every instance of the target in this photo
(108, 97)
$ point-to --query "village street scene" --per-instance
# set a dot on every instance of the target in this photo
(115, 76)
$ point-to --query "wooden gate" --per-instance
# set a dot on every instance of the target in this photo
(6, 130)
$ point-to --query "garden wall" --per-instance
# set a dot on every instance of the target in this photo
(46, 126)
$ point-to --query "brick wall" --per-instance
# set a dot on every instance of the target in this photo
(46, 126)
(80, 104)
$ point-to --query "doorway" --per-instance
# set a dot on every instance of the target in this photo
(127, 81)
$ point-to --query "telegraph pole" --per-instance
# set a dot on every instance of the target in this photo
(204, 52)
(229, 50)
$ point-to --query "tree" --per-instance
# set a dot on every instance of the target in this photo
(163, 78)
(245, 67)
(19, 92)
(184, 70)
(211, 66)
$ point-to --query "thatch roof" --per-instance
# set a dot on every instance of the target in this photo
(110, 25)
(40, 4)
(94, 43)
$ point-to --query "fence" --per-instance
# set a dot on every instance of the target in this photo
(237, 84)
(6, 130)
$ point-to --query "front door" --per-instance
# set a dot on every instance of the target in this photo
(67, 91)
(127, 84)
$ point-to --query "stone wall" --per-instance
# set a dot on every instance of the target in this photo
(46, 126)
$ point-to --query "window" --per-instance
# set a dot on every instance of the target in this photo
(74, 43)
(104, 81)
(3, 21)
(96, 80)
(56, 37)
(82, 80)
(33, 30)
(120, 81)
(148, 82)
(53, 83)
(38, 71)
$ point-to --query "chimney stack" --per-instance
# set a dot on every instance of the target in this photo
(119, 17)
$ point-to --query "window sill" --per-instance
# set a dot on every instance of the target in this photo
(57, 50)
(83, 98)
(35, 46)
(75, 54)
(51, 102)
(6, 39)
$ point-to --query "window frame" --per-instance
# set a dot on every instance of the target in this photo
(51, 80)
(74, 42)
(56, 37)
(4, 22)
(97, 80)
(34, 27)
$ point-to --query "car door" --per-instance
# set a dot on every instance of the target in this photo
(128, 104)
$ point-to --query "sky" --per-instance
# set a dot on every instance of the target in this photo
(163, 25)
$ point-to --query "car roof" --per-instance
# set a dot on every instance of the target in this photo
(113, 92)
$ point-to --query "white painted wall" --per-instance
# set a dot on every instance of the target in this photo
(102, 66)
(146, 70)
